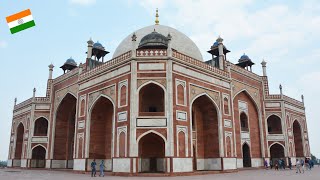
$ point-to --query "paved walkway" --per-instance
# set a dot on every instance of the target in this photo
(261, 174)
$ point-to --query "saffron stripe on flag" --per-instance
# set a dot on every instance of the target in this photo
(22, 27)
(18, 22)
(19, 15)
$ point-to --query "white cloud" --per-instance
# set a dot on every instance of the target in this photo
(3, 44)
(83, 2)
(151, 5)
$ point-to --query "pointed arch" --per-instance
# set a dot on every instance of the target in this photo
(208, 116)
(63, 132)
(277, 150)
(274, 123)
(19, 141)
(152, 151)
(298, 138)
(38, 158)
(101, 117)
(149, 103)
(151, 131)
(255, 119)
(40, 126)
(246, 154)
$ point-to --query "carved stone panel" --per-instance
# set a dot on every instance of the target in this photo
(254, 93)
(60, 94)
(195, 91)
(160, 81)
(109, 91)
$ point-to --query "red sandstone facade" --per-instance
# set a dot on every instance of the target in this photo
(157, 110)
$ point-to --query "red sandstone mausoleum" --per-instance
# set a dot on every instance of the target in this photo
(157, 106)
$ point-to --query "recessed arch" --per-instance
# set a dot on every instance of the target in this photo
(88, 122)
(19, 141)
(64, 130)
(151, 131)
(277, 151)
(123, 91)
(40, 127)
(228, 146)
(246, 155)
(100, 128)
(244, 121)
(274, 123)
(206, 124)
(152, 99)
(244, 100)
(298, 138)
(38, 157)
(152, 153)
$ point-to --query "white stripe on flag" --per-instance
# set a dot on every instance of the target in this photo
(16, 23)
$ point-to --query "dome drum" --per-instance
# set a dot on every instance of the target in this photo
(153, 40)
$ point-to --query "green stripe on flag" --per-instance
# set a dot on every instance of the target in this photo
(22, 27)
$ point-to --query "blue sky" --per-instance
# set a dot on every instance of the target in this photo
(284, 33)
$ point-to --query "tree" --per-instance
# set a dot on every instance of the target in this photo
(314, 158)
(3, 164)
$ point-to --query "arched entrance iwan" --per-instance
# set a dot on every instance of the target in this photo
(38, 158)
(64, 133)
(101, 130)
(152, 153)
(205, 122)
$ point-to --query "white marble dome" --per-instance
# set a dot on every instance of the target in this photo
(179, 41)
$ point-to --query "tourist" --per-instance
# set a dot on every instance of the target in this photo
(102, 168)
(276, 166)
(310, 164)
(266, 164)
(298, 164)
(290, 163)
(302, 165)
(93, 168)
(283, 164)
(279, 164)
(271, 164)
(306, 163)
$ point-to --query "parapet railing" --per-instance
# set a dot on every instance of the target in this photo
(199, 63)
(151, 52)
(42, 99)
(285, 98)
(23, 103)
(273, 96)
(293, 101)
(111, 63)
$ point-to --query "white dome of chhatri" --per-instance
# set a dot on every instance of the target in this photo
(179, 41)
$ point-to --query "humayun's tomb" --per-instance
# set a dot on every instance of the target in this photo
(157, 106)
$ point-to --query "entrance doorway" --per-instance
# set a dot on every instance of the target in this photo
(38, 157)
(246, 155)
(152, 154)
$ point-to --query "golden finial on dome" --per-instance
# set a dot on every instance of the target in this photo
(157, 17)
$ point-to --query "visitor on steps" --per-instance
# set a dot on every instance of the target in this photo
(266, 164)
(93, 168)
(271, 164)
(290, 163)
(298, 166)
(102, 168)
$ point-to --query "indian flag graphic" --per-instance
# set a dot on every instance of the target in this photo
(20, 21)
